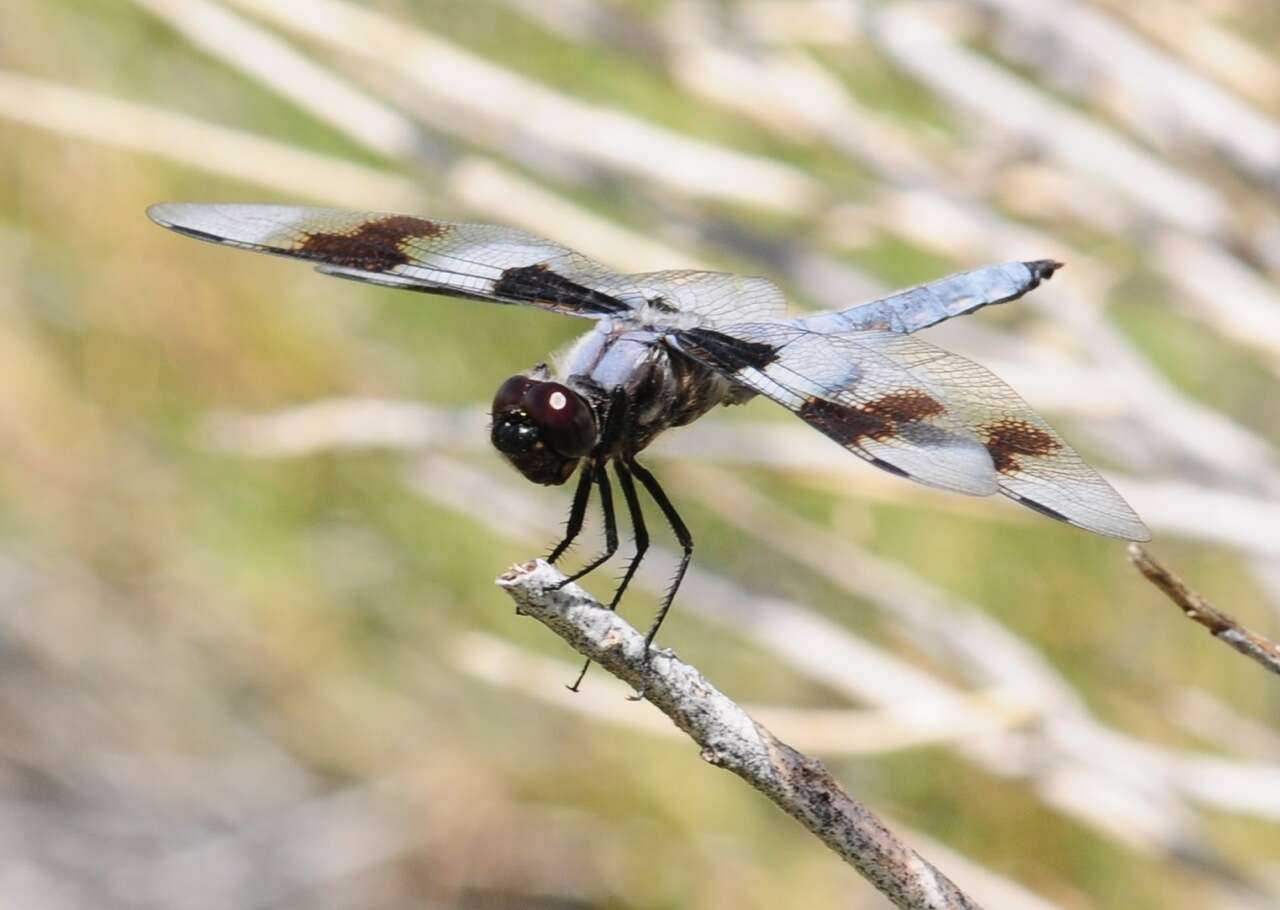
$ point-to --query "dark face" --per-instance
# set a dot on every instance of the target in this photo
(543, 428)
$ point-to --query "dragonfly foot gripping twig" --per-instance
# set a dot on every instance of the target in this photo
(729, 738)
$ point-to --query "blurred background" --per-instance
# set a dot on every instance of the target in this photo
(251, 654)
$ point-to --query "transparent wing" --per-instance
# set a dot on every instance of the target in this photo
(858, 396)
(1034, 465)
(920, 411)
(475, 261)
(713, 298)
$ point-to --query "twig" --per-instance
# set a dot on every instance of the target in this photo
(1222, 626)
(827, 731)
(730, 739)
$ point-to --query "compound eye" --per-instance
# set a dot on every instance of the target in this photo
(567, 422)
(510, 394)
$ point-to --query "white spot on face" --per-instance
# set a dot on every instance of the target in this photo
(558, 401)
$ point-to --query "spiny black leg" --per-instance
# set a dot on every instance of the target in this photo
(682, 535)
(642, 544)
(637, 525)
(610, 525)
(614, 424)
(577, 513)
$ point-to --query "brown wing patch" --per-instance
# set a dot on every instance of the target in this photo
(878, 419)
(375, 246)
(1007, 439)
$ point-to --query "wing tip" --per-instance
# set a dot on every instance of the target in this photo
(1140, 532)
(180, 217)
(164, 213)
(1130, 529)
(247, 225)
(172, 215)
(1120, 525)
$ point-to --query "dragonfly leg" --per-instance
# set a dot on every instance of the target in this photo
(683, 536)
(610, 523)
(637, 525)
(577, 512)
(642, 545)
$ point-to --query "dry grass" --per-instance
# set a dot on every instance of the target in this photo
(228, 680)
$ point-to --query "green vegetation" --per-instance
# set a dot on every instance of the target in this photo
(203, 604)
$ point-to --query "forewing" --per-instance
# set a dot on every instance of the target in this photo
(1034, 465)
(475, 261)
(856, 395)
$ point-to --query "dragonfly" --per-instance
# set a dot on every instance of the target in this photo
(667, 347)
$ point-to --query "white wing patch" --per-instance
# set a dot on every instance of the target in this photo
(1034, 464)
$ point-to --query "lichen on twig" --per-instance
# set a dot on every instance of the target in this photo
(729, 738)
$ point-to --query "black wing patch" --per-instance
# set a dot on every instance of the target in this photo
(539, 284)
(725, 352)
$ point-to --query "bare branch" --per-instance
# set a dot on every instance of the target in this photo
(801, 786)
(829, 731)
(1223, 627)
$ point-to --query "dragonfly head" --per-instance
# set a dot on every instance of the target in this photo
(543, 428)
